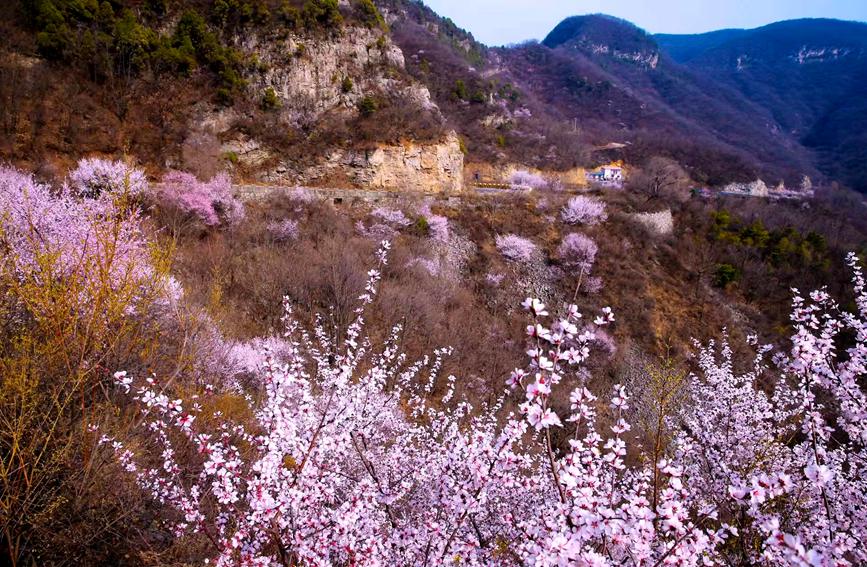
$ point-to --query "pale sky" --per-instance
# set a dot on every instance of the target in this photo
(499, 22)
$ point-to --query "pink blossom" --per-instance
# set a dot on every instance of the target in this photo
(283, 230)
(517, 248)
(578, 251)
(94, 177)
(522, 179)
(584, 210)
(212, 203)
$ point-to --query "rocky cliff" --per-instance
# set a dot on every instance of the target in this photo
(436, 167)
(311, 78)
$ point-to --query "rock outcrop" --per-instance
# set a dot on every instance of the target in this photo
(311, 78)
(410, 166)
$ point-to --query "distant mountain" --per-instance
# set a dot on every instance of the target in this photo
(621, 77)
(810, 75)
(684, 47)
(601, 34)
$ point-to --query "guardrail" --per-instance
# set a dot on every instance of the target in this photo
(251, 192)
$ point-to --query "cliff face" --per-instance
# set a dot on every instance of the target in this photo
(428, 168)
(323, 80)
(436, 167)
(336, 71)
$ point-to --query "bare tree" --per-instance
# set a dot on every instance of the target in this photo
(661, 177)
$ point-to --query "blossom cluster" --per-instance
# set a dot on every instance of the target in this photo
(94, 176)
(578, 251)
(351, 459)
(438, 225)
(517, 248)
(794, 481)
(82, 231)
(386, 224)
(527, 180)
(211, 203)
(584, 210)
(283, 230)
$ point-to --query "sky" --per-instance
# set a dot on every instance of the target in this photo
(501, 22)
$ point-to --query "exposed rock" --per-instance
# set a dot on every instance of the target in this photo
(410, 166)
(820, 54)
(494, 121)
(248, 151)
(308, 75)
(757, 188)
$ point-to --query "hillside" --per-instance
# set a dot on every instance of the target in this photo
(807, 74)
(323, 283)
(302, 92)
(284, 91)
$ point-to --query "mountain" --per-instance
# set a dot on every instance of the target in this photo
(302, 91)
(810, 75)
(627, 81)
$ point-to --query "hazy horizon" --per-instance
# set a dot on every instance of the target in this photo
(501, 22)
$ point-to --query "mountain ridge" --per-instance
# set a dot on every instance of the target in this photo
(729, 105)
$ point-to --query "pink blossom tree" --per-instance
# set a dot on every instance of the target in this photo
(386, 224)
(438, 225)
(49, 234)
(788, 467)
(578, 251)
(93, 177)
(517, 248)
(522, 179)
(211, 203)
(283, 230)
(350, 459)
(584, 210)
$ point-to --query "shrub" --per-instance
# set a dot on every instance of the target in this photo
(192, 35)
(725, 275)
(578, 251)
(517, 248)
(94, 176)
(368, 105)
(369, 14)
(584, 210)
(421, 227)
(210, 203)
(346, 85)
(321, 14)
(460, 90)
(81, 289)
(270, 100)
(479, 97)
